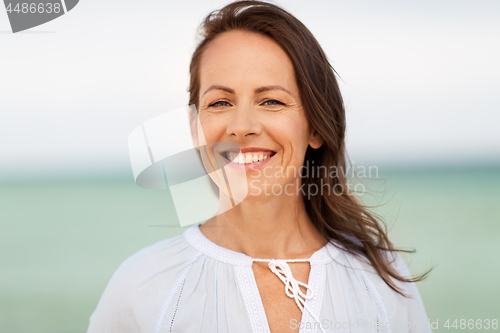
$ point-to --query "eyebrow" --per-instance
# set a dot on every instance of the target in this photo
(256, 91)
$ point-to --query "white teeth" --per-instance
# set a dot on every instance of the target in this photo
(246, 158)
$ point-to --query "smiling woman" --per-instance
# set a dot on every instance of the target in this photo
(284, 258)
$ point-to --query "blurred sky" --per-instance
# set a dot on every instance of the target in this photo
(420, 80)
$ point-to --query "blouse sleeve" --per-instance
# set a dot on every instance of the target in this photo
(417, 316)
(137, 290)
(114, 311)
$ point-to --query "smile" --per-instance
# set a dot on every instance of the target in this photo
(249, 157)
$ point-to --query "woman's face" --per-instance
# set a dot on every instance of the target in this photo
(249, 97)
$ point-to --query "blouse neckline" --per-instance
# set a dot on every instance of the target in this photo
(200, 242)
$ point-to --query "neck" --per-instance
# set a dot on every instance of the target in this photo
(267, 228)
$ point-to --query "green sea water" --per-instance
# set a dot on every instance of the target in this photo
(60, 242)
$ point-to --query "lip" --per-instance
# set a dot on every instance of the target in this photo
(248, 150)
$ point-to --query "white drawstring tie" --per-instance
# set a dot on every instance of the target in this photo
(281, 268)
(292, 286)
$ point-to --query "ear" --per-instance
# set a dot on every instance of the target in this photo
(193, 120)
(315, 140)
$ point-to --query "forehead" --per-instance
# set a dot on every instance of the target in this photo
(243, 59)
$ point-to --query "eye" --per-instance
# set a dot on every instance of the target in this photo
(219, 104)
(273, 102)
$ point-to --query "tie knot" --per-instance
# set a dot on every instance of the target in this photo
(281, 268)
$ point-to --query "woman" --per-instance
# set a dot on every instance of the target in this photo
(299, 252)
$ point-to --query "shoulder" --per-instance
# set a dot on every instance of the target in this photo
(164, 257)
(139, 285)
(395, 308)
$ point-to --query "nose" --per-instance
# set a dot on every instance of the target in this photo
(243, 123)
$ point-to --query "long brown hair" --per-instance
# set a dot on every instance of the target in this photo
(341, 218)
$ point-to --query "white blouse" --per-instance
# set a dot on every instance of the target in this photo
(190, 284)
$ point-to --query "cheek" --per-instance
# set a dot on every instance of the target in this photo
(290, 131)
(211, 126)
